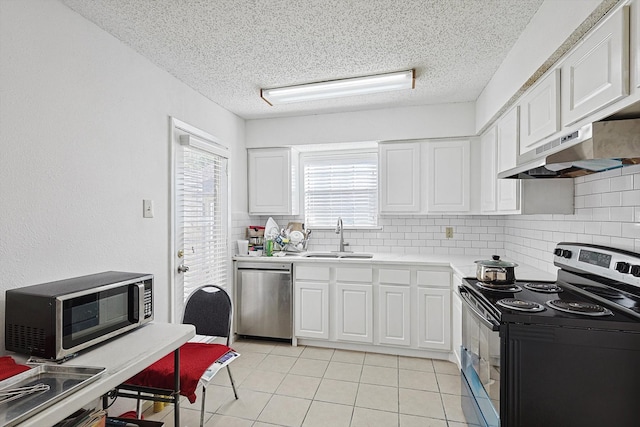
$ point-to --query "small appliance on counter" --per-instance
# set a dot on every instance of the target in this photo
(563, 353)
(255, 236)
(55, 320)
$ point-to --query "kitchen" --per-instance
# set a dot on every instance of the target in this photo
(76, 102)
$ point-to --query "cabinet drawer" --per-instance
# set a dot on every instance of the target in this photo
(311, 273)
(400, 277)
(348, 274)
(434, 278)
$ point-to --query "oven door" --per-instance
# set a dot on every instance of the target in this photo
(480, 360)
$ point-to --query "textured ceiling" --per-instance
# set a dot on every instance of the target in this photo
(229, 49)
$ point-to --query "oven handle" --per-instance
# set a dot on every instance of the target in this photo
(489, 323)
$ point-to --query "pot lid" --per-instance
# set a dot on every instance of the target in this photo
(495, 262)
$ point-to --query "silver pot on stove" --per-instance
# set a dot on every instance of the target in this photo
(496, 271)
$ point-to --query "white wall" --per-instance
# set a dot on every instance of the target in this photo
(427, 121)
(84, 124)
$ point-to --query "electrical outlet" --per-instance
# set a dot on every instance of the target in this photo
(449, 232)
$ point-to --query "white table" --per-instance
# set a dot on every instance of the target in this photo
(123, 357)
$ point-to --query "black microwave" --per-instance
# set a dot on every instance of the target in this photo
(57, 319)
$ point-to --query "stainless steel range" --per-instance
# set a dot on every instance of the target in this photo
(564, 353)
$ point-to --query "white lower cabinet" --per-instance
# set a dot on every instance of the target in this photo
(394, 315)
(407, 307)
(312, 310)
(354, 309)
(434, 318)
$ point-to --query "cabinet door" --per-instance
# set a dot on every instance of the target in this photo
(354, 308)
(312, 310)
(399, 177)
(434, 318)
(448, 176)
(270, 181)
(488, 180)
(540, 112)
(596, 74)
(394, 315)
(507, 190)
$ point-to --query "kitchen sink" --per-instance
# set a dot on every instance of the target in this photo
(352, 255)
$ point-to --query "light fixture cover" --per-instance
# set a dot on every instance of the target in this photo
(339, 88)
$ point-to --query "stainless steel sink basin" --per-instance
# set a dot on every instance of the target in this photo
(356, 255)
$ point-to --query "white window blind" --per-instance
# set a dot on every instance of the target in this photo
(201, 189)
(341, 185)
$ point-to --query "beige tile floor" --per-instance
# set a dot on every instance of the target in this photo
(281, 385)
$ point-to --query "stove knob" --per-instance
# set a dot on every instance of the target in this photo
(557, 252)
(566, 253)
(623, 267)
(635, 270)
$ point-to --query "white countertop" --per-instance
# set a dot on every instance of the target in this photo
(462, 265)
(123, 357)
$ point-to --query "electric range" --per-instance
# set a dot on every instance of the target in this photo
(555, 353)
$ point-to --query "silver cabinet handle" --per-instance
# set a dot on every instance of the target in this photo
(183, 268)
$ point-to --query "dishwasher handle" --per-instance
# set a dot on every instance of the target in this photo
(262, 266)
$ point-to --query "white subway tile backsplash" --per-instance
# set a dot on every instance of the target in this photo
(593, 201)
(601, 214)
(623, 182)
(612, 199)
(611, 229)
(631, 198)
(631, 230)
(622, 214)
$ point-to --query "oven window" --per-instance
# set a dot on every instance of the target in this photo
(90, 316)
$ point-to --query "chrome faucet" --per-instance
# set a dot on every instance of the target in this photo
(339, 230)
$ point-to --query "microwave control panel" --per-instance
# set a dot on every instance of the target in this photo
(148, 300)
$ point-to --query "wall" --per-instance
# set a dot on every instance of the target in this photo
(607, 213)
(427, 121)
(84, 138)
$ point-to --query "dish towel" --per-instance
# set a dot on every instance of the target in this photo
(195, 358)
(9, 367)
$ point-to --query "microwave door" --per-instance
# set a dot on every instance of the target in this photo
(97, 314)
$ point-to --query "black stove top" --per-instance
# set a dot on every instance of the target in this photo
(538, 294)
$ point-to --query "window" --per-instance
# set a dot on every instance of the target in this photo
(340, 185)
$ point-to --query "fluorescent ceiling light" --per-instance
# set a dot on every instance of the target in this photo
(338, 88)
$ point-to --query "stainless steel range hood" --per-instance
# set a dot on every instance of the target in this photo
(596, 147)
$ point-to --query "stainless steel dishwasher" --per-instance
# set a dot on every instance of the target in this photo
(264, 299)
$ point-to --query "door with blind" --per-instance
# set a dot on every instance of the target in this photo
(201, 219)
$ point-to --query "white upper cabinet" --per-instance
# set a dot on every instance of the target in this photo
(596, 73)
(507, 190)
(540, 112)
(448, 183)
(272, 181)
(399, 177)
(488, 170)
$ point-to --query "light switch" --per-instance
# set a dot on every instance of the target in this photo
(147, 208)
